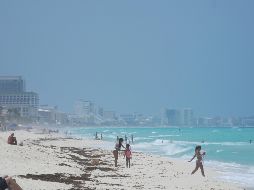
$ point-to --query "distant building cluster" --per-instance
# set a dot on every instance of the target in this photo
(51, 115)
(19, 105)
(15, 100)
(225, 121)
(87, 113)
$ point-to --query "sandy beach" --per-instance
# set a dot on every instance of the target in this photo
(55, 162)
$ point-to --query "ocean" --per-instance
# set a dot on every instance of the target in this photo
(228, 150)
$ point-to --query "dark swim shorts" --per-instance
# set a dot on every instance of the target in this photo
(3, 184)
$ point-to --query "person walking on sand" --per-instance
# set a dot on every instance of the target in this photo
(128, 155)
(199, 161)
(118, 147)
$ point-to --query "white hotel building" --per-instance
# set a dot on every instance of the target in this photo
(14, 96)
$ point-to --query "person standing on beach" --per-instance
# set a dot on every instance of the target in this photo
(118, 147)
(128, 155)
(132, 137)
(199, 161)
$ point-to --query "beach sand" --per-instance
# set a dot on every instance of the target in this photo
(54, 162)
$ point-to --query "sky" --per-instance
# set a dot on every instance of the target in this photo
(133, 56)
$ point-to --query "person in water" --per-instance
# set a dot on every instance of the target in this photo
(128, 155)
(125, 139)
(118, 147)
(199, 161)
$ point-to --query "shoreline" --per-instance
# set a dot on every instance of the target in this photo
(57, 162)
(211, 165)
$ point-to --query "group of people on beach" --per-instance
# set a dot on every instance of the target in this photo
(8, 182)
(127, 152)
(128, 155)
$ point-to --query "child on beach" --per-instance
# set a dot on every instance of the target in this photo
(199, 161)
(128, 155)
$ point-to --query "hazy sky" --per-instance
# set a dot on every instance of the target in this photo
(133, 55)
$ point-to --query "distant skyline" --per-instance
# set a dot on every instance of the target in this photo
(133, 56)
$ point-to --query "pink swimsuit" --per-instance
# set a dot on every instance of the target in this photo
(128, 153)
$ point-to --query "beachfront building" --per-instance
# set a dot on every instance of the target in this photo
(171, 117)
(128, 119)
(51, 115)
(209, 122)
(84, 108)
(25, 103)
(85, 113)
(109, 115)
(15, 99)
(100, 111)
(174, 117)
(12, 84)
(109, 118)
(188, 119)
(248, 121)
(164, 116)
(177, 117)
(146, 120)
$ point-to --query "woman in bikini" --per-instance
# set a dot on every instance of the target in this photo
(199, 161)
(118, 147)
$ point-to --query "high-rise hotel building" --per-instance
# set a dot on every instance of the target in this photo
(177, 117)
(13, 95)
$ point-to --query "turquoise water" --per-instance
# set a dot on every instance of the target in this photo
(228, 149)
